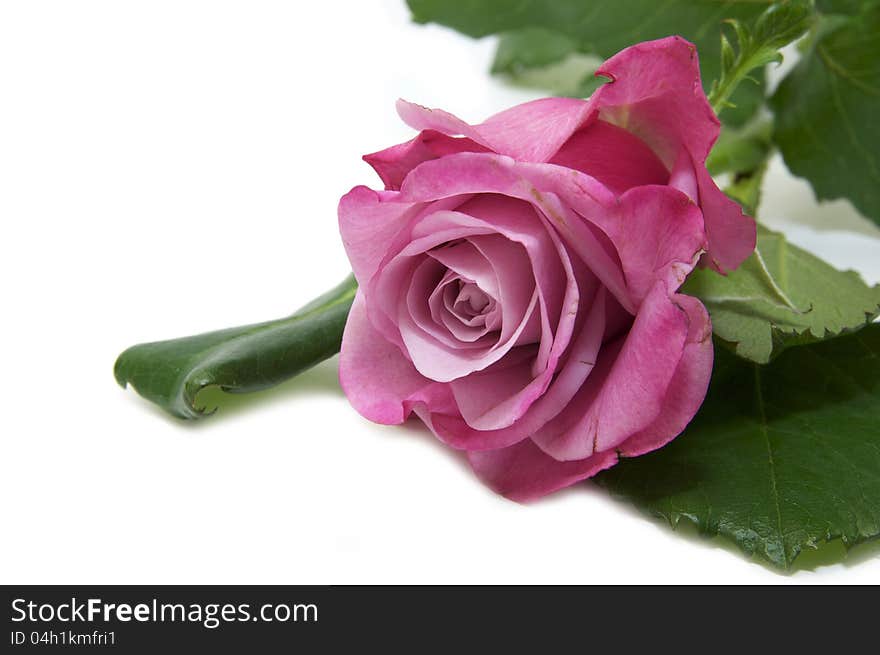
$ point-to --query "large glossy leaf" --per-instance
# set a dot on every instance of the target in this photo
(249, 358)
(826, 109)
(781, 296)
(780, 457)
(603, 28)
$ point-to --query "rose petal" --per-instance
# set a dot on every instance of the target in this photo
(687, 390)
(523, 472)
(378, 380)
(469, 173)
(532, 131)
(494, 400)
(658, 238)
(656, 94)
(610, 154)
(625, 392)
(394, 163)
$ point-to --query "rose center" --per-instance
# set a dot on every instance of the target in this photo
(468, 303)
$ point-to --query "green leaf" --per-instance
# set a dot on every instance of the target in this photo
(826, 111)
(536, 58)
(741, 151)
(756, 46)
(782, 296)
(249, 358)
(530, 48)
(604, 28)
(780, 457)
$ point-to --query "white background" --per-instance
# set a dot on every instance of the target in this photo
(168, 168)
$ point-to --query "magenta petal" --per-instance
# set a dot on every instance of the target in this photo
(658, 238)
(610, 154)
(394, 163)
(532, 131)
(378, 380)
(523, 472)
(657, 94)
(687, 390)
(732, 235)
(625, 392)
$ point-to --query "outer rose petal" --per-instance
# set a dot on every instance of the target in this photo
(732, 235)
(532, 131)
(378, 380)
(625, 392)
(618, 159)
(687, 390)
(394, 163)
(656, 94)
(523, 472)
(367, 225)
(658, 238)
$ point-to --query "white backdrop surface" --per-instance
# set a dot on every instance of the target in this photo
(168, 168)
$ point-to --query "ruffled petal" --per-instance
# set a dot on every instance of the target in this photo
(381, 384)
(532, 131)
(523, 472)
(656, 94)
(394, 163)
(659, 237)
(687, 390)
(626, 390)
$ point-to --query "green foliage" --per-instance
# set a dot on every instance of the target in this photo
(780, 458)
(827, 108)
(756, 46)
(600, 28)
(172, 373)
(782, 296)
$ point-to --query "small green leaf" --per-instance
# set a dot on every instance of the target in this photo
(782, 296)
(827, 108)
(757, 46)
(249, 358)
(780, 457)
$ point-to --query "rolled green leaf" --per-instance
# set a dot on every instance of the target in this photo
(237, 360)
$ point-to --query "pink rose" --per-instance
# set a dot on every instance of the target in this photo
(518, 282)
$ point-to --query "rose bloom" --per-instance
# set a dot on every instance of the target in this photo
(518, 279)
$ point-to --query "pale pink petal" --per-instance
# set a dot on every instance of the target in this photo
(367, 225)
(378, 380)
(443, 363)
(496, 399)
(523, 472)
(469, 173)
(532, 131)
(578, 364)
(687, 390)
(427, 276)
